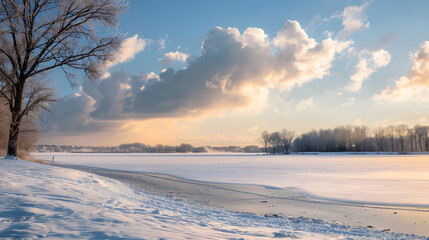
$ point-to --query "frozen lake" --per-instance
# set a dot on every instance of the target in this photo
(383, 179)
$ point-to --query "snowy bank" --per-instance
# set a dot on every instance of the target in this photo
(41, 201)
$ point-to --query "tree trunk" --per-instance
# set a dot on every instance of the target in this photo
(420, 143)
(12, 147)
(426, 144)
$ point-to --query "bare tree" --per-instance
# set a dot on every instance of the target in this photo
(343, 137)
(422, 136)
(286, 138)
(360, 137)
(274, 141)
(37, 36)
(264, 138)
(401, 133)
(391, 135)
(411, 133)
(425, 137)
(380, 135)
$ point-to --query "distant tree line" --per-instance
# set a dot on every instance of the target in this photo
(394, 138)
(144, 148)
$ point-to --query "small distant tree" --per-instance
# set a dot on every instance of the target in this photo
(360, 137)
(380, 135)
(184, 148)
(286, 138)
(401, 133)
(411, 134)
(264, 138)
(391, 135)
(422, 136)
(274, 141)
(251, 149)
(159, 148)
(343, 137)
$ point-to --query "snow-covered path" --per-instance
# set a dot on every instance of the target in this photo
(41, 201)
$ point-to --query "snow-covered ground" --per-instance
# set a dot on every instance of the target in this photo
(382, 179)
(42, 201)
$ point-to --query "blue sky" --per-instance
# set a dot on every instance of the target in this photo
(388, 44)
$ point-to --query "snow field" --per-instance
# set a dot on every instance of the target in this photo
(380, 179)
(41, 201)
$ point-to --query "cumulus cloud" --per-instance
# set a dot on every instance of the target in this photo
(353, 20)
(128, 49)
(72, 113)
(235, 71)
(171, 57)
(98, 100)
(113, 96)
(72, 116)
(300, 58)
(415, 85)
(305, 103)
(369, 62)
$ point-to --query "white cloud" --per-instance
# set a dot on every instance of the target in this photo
(415, 85)
(369, 62)
(304, 104)
(353, 20)
(171, 57)
(328, 33)
(128, 49)
(301, 58)
(162, 41)
(350, 102)
(352, 52)
(380, 58)
(235, 71)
